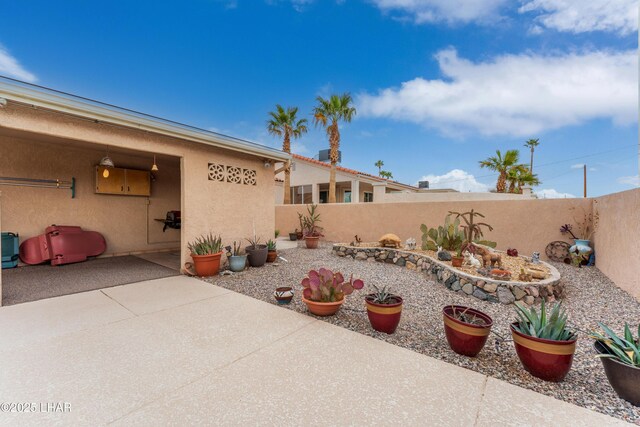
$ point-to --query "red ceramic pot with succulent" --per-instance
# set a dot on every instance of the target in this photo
(324, 291)
(466, 329)
(206, 251)
(544, 344)
(384, 310)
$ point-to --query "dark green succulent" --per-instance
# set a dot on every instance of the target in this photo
(549, 327)
(623, 349)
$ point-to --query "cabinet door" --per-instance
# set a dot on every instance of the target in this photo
(112, 184)
(138, 183)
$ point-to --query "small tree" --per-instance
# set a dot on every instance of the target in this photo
(472, 229)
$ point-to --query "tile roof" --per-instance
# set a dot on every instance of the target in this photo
(349, 171)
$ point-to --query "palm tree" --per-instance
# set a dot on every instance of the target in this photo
(327, 114)
(519, 175)
(501, 165)
(386, 174)
(532, 144)
(379, 164)
(286, 124)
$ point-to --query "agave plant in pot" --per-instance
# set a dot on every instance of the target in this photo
(272, 254)
(312, 231)
(620, 357)
(206, 251)
(466, 329)
(256, 252)
(544, 343)
(384, 310)
(324, 291)
(237, 261)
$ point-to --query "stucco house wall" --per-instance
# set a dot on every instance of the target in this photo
(232, 210)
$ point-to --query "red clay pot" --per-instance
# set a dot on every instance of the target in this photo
(323, 308)
(272, 255)
(546, 359)
(464, 338)
(299, 235)
(312, 242)
(456, 261)
(207, 265)
(384, 317)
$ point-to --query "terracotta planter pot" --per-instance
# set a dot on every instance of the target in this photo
(207, 265)
(283, 295)
(312, 242)
(623, 378)
(323, 308)
(257, 256)
(299, 235)
(465, 338)
(546, 359)
(272, 255)
(456, 261)
(384, 317)
(293, 237)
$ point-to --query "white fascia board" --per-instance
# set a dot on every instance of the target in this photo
(77, 106)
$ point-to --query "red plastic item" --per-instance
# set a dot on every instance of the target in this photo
(62, 244)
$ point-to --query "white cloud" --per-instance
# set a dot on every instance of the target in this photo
(551, 193)
(515, 95)
(579, 16)
(457, 179)
(450, 11)
(577, 166)
(9, 66)
(634, 181)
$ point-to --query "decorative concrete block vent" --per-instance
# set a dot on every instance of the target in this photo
(483, 288)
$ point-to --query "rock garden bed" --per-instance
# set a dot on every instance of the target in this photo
(464, 279)
(590, 297)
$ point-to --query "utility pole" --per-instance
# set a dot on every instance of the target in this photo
(585, 180)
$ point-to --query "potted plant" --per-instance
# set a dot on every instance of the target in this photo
(206, 251)
(237, 261)
(384, 310)
(466, 329)
(311, 230)
(620, 357)
(272, 254)
(324, 291)
(283, 294)
(543, 343)
(456, 261)
(256, 253)
(300, 232)
(293, 236)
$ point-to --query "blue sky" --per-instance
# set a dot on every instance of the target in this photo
(438, 84)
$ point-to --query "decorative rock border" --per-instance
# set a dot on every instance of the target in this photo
(483, 288)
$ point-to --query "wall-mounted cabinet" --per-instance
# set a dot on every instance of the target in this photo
(124, 182)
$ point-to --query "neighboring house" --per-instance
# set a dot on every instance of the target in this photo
(222, 185)
(310, 184)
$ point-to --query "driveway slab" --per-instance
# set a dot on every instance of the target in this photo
(160, 294)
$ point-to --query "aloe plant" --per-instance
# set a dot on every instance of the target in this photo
(383, 296)
(623, 349)
(326, 286)
(206, 245)
(549, 327)
(271, 245)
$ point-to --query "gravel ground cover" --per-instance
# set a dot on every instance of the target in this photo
(591, 297)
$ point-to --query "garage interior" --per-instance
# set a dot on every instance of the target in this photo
(46, 180)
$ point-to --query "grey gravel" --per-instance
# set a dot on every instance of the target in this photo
(590, 297)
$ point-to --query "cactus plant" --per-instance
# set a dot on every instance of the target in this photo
(449, 236)
(326, 286)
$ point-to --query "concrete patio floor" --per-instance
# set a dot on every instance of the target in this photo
(178, 351)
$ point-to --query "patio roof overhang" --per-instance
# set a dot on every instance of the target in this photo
(41, 97)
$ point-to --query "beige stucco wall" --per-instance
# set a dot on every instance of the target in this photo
(220, 207)
(528, 225)
(449, 196)
(126, 222)
(616, 239)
